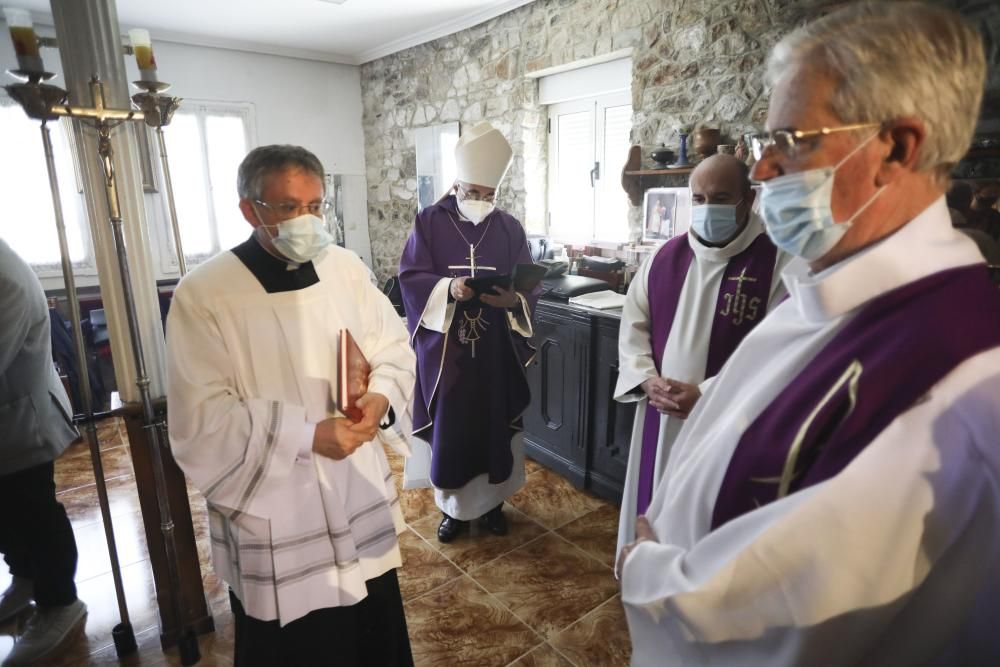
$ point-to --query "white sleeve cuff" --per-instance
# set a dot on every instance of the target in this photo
(306, 447)
(520, 319)
(439, 311)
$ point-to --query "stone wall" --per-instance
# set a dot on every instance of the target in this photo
(694, 61)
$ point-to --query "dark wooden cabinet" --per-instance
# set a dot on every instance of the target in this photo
(573, 424)
(555, 421)
(611, 422)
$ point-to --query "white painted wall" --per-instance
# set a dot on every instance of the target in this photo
(310, 103)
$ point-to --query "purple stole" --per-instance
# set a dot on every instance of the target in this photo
(741, 304)
(877, 367)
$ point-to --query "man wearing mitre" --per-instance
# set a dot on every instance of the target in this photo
(471, 350)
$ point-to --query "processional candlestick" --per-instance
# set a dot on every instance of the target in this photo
(45, 102)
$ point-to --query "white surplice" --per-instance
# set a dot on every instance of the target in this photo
(894, 561)
(250, 376)
(685, 354)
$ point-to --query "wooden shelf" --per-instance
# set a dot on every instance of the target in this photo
(633, 174)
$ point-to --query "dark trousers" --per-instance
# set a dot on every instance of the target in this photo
(371, 633)
(36, 538)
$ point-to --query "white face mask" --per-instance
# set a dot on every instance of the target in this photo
(476, 211)
(302, 238)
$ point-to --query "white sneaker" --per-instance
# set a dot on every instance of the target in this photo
(44, 632)
(16, 598)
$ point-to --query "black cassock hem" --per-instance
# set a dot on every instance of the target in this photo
(371, 633)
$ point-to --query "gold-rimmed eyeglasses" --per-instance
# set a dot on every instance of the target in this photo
(475, 195)
(788, 141)
(289, 210)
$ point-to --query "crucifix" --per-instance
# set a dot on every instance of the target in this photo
(471, 266)
(471, 328)
(741, 278)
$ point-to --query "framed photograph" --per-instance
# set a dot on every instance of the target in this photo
(666, 214)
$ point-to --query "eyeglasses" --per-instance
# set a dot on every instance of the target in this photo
(788, 142)
(287, 210)
(474, 195)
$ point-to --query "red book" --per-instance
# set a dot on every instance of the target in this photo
(352, 376)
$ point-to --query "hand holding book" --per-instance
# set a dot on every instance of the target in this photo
(352, 377)
(524, 278)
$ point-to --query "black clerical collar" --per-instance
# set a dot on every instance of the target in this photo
(274, 274)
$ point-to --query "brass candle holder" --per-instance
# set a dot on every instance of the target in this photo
(46, 102)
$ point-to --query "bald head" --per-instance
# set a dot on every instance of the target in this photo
(720, 177)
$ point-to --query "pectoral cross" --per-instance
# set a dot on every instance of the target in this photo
(471, 328)
(472, 266)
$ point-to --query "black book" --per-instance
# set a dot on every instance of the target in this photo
(524, 279)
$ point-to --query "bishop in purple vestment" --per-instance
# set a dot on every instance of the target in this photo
(471, 350)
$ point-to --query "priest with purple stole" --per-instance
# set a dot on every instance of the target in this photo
(687, 309)
(835, 497)
(471, 349)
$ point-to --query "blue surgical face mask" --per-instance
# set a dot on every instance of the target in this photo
(797, 210)
(715, 223)
(301, 239)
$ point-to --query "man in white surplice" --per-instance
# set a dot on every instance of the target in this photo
(724, 231)
(834, 499)
(303, 513)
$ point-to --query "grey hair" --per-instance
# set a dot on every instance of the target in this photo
(897, 59)
(263, 161)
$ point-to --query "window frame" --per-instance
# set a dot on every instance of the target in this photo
(202, 108)
(88, 265)
(596, 105)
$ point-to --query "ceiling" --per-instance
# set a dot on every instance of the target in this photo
(353, 33)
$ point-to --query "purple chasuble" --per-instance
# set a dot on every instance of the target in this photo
(742, 302)
(467, 406)
(877, 367)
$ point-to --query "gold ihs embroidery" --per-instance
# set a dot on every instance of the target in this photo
(737, 303)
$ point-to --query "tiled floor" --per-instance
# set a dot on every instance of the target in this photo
(542, 595)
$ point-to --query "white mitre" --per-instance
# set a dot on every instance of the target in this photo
(482, 156)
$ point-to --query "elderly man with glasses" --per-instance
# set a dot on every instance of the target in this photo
(834, 499)
(302, 510)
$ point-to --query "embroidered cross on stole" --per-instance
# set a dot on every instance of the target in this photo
(472, 326)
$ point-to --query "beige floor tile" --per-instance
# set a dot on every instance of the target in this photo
(599, 639)
(77, 470)
(424, 568)
(596, 533)
(549, 583)
(130, 540)
(477, 547)
(551, 500)
(531, 466)
(417, 504)
(460, 624)
(543, 656)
